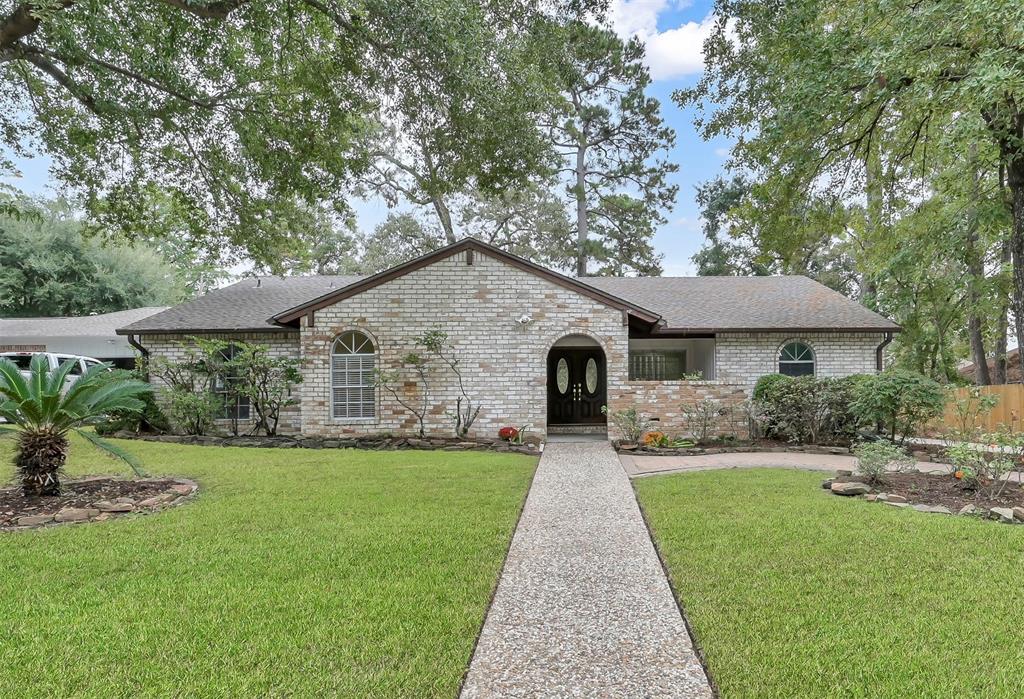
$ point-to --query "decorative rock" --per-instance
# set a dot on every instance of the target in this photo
(969, 509)
(852, 488)
(844, 472)
(182, 488)
(34, 520)
(895, 498)
(158, 499)
(870, 497)
(627, 447)
(126, 501)
(937, 509)
(827, 484)
(1018, 514)
(76, 514)
(107, 506)
(1003, 514)
(890, 503)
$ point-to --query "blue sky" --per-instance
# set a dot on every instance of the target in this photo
(673, 31)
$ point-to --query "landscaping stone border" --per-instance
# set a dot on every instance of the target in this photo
(857, 489)
(372, 442)
(726, 449)
(182, 490)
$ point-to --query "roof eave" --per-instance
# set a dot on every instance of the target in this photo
(779, 329)
(193, 331)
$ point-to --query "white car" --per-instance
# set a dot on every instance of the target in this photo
(82, 364)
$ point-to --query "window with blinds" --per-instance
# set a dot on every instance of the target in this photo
(657, 365)
(353, 390)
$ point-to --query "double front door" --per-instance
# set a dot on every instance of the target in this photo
(576, 386)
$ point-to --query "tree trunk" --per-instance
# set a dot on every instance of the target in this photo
(975, 278)
(582, 230)
(39, 458)
(445, 217)
(1003, 326)
(1015, 181)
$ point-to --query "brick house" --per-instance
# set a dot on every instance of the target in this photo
(535, 347)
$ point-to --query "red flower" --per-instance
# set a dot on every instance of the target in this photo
(508, 433)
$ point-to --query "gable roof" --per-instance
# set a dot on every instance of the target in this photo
(243, 306)
(672, 304)
(98, 325)
(736, 304)
(464, 245)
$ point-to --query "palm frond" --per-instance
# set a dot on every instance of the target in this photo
(113, 450)
(12, 383)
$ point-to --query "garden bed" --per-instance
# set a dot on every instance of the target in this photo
(375, 442)
(731, 448)
(97, 499)
(938, 494)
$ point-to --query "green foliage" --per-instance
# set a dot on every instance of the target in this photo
(242, 111)
(150, 419)
(968, 411)
(264, 379)
(900, 401)
(806, 408)
(46, 409)
(631, 423)
(192, 413)
(701, 416)
(875, 459)
(613, 140)
(47, 268)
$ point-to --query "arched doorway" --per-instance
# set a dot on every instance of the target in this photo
(577, 382)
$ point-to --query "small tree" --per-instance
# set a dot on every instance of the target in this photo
(874, 459)
(898, 400)
(389, 381)
(436, 342)
(191, 404)
(265, 380)
(701, 416)
(630, 422)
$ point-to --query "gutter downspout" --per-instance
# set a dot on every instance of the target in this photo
(142, 350)
(878, 352)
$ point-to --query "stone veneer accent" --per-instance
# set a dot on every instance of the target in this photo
(283, 343)
(504, 364)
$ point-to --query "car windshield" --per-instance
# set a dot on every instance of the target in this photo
(21, 361)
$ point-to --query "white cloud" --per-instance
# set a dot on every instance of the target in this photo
(722, 152)
(673, 53)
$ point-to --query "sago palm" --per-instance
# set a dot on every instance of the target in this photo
(46, 412)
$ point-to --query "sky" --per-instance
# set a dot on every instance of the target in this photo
(673, 32)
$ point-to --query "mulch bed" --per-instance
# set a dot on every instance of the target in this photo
(78, 494)
(946, 490)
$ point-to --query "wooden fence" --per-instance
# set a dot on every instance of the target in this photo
(1008, 411)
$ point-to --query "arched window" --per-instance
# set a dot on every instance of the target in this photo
(796, 359)
(353, 394)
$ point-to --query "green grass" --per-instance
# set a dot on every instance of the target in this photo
(294, 573)
(795, 592)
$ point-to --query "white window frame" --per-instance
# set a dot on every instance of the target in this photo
(813, 361)
(352, 371)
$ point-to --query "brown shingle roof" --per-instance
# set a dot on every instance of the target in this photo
(685, 304)
(709, 304)
(244, 305)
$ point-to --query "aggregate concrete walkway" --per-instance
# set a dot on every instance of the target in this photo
(583, 608)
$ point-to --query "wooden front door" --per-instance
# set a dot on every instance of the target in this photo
(576, 386)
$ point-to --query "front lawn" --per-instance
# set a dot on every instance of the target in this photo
(796, 592)
(294, 573)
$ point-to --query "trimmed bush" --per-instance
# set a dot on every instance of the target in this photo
(806, 408)
(151, 419)
(874, 459)
(899, 401)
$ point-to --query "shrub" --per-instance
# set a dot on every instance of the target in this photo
(899, 401)
(630, 422)
(700, 416)
(151, 419)
(767, 383)
(192, 413)
(874, 459)
(656, 439)
(806, 408)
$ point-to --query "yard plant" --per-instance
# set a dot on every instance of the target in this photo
(46, 410)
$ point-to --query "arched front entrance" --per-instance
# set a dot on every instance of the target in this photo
(577, 382)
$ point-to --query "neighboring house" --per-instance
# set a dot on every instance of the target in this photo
(89, 336)
(1013, 371)
(535, 346)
